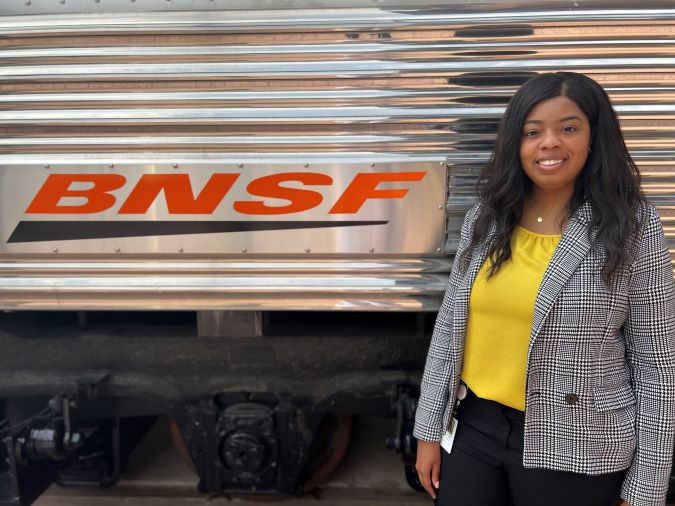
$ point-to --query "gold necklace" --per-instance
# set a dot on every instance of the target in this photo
(540, 218)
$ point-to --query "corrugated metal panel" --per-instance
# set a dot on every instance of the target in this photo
(328, 84)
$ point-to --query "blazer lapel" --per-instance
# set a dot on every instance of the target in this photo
(573, 247)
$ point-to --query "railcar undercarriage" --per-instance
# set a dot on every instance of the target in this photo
(260, 403)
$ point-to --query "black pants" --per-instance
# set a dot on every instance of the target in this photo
(485, 467)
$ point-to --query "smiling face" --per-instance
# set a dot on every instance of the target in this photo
(554, 144)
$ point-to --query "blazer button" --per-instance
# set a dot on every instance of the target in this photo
(571, 398)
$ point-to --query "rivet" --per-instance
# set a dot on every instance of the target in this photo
(46, 166)
(111, 166)
(240, 165)
(244, 250)
(307, 250)
(180, 250)
(441, 206)
(117, 250)
(55, 250)
(442, 164)
(372, 164)
(439, 250)
(175, 165)
(305, 165)
(28, 3)
(371, 249)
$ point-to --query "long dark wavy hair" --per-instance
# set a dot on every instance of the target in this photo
(609, 180)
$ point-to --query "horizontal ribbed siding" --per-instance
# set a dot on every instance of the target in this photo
(329, 84)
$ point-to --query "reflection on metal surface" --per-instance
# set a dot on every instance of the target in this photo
(86, 6)
(406, 82)
(396, 284)
(256, 265)
(495, 13)
(386, 292)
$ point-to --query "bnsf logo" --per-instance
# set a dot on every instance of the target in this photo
(100, 196)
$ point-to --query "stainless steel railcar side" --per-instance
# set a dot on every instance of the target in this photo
(242, 214)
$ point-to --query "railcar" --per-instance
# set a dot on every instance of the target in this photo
(241, 214)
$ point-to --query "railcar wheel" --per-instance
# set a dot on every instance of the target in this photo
(328, 449)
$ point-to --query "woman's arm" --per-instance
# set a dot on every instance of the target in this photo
(438, 369)
(437, 372)
(650, 350)
(428, 466)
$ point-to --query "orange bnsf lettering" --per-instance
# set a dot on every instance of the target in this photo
(364, 187)
(178, 193)
(269, 186)
(57, 186)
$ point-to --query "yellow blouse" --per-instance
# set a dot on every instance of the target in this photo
(501, 310)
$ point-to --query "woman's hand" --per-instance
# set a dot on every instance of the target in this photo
(428, 465)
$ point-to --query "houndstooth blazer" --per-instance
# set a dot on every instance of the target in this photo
(600, 384)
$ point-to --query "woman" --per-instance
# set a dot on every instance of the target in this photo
(554, 348)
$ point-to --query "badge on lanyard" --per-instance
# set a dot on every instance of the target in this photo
(449, 437)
